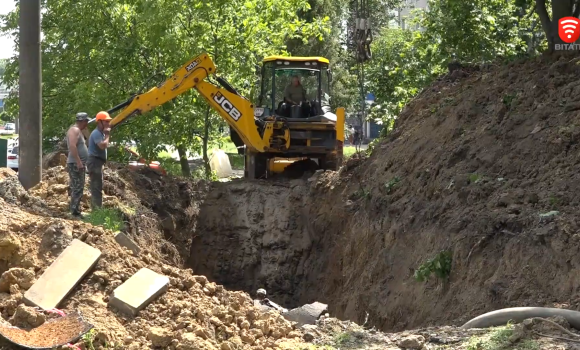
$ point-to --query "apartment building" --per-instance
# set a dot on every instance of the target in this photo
(406, 12)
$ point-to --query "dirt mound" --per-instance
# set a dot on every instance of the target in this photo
(174, 202)
(192, 313)
(129, 191)
(481, 166)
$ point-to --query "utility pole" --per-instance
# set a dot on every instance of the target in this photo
(30, 95)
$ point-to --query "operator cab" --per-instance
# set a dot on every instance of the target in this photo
(295, 88)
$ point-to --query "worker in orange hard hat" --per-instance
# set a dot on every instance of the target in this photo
(98, 143)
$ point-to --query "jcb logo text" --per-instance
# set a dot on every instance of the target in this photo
(227, 106)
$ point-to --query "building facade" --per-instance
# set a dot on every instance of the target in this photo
(405, 13)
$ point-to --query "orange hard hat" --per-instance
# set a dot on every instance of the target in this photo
(103, 116)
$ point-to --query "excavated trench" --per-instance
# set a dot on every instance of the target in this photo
(261, 234)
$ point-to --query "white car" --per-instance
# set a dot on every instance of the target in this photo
(12, 142)
(12, 158)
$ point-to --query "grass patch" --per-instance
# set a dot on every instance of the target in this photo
(342, 338)
(88, 339)
(498, 339)
(391, 184)
(127, 210)
(474, 178)
(109, 218)
(348, 151)
(236, 161)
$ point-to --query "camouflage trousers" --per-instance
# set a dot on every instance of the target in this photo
(76, 186)
(95, 168)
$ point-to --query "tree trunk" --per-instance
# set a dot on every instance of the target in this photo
(206, 141)
(560, 9)
(185, 171)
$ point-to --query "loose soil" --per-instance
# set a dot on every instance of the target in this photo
(56, 332)
(193, 313)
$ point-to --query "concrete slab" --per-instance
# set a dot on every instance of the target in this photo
(127, 242)
(60, 278)
(138, 291)
(306, 314)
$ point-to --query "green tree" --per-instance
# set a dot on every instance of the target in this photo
(473, 31)
(402, 65)
(97, 53)
(406, 61)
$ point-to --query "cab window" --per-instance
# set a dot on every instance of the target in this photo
(308, 79)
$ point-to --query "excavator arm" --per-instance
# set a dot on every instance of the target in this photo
(237, 111)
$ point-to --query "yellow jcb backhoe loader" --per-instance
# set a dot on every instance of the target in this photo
(275, 132)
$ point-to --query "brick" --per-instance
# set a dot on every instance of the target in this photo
(60, 278)
(138, 291)
(127, 242)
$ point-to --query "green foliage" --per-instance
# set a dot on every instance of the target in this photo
(498, 339)
(200, 173)
(440, 265)
(471, 32)
(361, 193)
(342, 338)
(474, 31)
(171, 166)
(6, 117)
(237, 161)
(555, 202)
(95, 59)
(372, 146)
(89, 338)
(3, 63)
(392, 183)
(403, 63)
(507, 99)
(109, 218)
(474, 178)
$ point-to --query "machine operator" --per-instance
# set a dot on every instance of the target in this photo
(295, 93)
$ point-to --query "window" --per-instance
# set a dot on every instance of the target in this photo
(308, 79)
(325, 82)
(266, 94)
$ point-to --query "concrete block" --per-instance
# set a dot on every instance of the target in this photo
(127, 242)
(138, 291)
(60, 278)
(306, 314)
